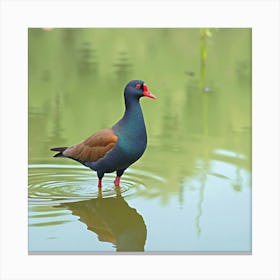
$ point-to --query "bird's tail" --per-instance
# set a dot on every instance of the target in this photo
(60, 151)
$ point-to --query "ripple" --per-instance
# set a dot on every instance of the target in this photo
(55, 183)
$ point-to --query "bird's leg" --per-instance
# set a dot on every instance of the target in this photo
(100, 176)
(117, 185)
(100, 183)
(117, 181)
(118, 177)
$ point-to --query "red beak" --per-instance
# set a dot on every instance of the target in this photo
(147, 93)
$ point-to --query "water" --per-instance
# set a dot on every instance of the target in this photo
(191, 190)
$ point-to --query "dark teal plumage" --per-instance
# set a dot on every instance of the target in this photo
(124, 143)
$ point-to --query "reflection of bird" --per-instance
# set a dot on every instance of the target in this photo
(113, 220)
(116, 148)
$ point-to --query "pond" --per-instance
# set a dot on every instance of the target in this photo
(191, 190)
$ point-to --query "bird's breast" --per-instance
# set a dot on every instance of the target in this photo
(132, 146)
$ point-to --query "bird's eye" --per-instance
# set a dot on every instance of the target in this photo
(138, 86)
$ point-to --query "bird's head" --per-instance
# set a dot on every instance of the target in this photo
(137, 88)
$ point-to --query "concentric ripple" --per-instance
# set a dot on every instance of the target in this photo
(49, 183)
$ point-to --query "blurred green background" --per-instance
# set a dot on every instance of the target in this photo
(199, 128)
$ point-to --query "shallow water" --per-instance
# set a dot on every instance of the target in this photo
(191, 191)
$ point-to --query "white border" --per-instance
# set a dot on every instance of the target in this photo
(262, 16)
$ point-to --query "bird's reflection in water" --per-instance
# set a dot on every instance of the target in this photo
(113, 220)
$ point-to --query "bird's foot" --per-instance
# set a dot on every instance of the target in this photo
(118, 191)
(117, 181)
(99, 193)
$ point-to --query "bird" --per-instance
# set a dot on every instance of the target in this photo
(114, 149)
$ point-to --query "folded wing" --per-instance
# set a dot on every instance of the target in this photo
(94, 147)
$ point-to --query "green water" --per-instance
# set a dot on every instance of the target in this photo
(191, 190)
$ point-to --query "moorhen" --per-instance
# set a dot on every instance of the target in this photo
(116, 148)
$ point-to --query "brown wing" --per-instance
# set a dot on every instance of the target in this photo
(94, 147)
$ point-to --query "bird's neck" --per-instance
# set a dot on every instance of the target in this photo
(132, 120)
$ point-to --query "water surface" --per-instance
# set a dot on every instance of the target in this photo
(191, 191)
